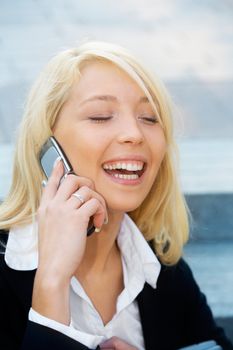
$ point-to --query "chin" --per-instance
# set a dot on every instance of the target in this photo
(123, 206)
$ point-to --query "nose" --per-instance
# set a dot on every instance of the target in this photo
(130, 131)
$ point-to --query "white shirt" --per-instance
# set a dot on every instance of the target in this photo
(140, 265)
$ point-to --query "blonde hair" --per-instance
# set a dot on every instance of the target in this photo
(163, 216)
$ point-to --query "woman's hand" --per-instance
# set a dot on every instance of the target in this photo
(62, 223)
(116, 343)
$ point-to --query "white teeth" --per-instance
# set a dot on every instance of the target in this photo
(126, 177)
(125, 166)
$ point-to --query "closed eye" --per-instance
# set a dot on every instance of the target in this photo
(100, 118)
(148, 119)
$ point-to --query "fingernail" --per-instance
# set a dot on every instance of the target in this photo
(106, 221)
(43, 183)
(97, 229)
(56, 161)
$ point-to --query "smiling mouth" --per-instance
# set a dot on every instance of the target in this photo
(126, 171)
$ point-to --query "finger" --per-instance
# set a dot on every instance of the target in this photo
(50, 190)
(71, 184)
(85, 194)
(93, 208)
(117, 344)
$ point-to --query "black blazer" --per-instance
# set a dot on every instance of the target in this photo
(173, 315)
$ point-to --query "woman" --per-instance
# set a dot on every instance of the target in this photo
(109, 289)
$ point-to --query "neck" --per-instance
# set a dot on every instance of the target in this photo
(101, 248)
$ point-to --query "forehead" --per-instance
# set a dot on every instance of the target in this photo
(105, 78)
(105, 69)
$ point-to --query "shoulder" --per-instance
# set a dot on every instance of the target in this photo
(178, 280)
(14, 281)
(180, 269)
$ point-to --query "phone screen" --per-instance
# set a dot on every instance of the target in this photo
(50, 151)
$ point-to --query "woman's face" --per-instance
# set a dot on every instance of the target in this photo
(110, 134)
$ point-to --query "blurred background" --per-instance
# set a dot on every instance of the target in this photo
(189, 45)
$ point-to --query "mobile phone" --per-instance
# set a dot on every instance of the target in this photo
(50, 151)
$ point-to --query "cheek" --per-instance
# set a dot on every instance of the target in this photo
(163, 150)
(86, 155)
(159, 147)
(83, 147)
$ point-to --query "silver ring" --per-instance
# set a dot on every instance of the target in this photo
(80, 198)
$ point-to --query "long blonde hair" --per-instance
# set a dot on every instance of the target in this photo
(163, 216)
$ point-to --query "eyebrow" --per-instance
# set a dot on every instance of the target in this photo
(110, 98)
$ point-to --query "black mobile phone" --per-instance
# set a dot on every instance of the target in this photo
(50, 151)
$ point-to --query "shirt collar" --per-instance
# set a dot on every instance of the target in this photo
(22, 247)
(138, 257)
(22, 250)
